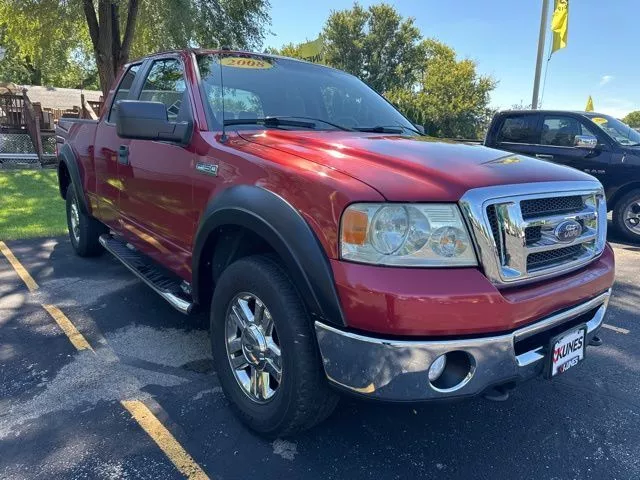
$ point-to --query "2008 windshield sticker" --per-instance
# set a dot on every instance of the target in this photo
(244, 62)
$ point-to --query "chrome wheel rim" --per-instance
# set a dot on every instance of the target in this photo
(75, 221)
(632, 216)
(253, 347)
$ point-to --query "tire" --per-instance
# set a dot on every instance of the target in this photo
(84, 238)
(629, 204)
(303, 398)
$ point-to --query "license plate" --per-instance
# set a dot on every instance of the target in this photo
(567, 350)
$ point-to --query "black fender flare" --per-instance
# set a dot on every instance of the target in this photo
(280, 225)
(68, 158)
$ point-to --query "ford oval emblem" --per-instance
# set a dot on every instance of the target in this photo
(568, 231)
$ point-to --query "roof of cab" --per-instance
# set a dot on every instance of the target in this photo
(549, 112)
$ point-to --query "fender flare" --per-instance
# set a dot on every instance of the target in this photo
(70, 161)
(289, 235)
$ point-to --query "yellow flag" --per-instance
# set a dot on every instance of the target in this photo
(311, 51)
(560, 24)
(589, 107)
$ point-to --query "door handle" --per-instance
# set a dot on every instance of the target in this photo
(123, 155)
(543, 156)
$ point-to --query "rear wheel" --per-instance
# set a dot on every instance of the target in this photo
(265, 351)
(626, 215)
(84, 230)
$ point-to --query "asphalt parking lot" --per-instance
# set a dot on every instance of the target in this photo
(69, 413)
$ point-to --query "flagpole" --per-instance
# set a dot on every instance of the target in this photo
(541, 39)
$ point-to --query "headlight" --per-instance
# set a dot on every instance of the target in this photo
(417, 235)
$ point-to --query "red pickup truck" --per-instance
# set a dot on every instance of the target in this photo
(336, 248)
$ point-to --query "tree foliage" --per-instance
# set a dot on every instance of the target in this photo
(376, 44)
(171, 24)
(45, 43)
(67, 42)
(450, 99)
(423, 78)
(633, 119)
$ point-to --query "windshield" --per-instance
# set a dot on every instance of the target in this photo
(620, 132)
(257, 87)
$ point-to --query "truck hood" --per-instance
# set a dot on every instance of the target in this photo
(413, 168)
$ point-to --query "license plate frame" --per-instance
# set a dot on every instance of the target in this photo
(552, 372)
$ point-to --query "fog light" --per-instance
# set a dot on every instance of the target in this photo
(437, 367)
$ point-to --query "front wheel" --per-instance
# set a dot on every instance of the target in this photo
(626, 215)
(264, 350)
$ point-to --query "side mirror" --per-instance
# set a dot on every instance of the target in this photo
(587, 142)
(420, 128)
(148, 121)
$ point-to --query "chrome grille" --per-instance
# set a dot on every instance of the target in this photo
(518, 229)
(551, 206)
(552, 257)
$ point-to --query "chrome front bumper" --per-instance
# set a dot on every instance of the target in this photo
(397, 370)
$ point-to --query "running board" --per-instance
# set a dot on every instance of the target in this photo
(163, 283)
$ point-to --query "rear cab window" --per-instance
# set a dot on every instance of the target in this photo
(122, 93)
(519, 129)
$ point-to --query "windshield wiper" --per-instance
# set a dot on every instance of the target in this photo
(270, 122)
(380, 129)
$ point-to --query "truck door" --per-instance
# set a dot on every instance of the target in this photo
(156, 201)
(557, 144)
(106, 144)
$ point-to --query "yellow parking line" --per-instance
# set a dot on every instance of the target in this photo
(167, 442)
(70, 330)
(17, 266)
(617, 329)
(139, 411)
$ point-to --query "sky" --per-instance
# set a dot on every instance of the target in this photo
(501, 36)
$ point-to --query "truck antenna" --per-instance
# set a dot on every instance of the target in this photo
(224, 137)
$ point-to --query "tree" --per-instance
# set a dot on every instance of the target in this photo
(633, 119)
(111, 48)
(451, 99)
(376, 44)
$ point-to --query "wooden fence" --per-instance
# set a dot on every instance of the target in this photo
(20, 117)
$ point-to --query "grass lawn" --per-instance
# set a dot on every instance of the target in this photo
(30, 205)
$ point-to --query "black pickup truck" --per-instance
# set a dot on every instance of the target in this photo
(592, 142)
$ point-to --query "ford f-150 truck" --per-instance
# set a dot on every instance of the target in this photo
(592, 142)
(335, 247)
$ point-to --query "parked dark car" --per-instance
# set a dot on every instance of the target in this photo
(592, 142)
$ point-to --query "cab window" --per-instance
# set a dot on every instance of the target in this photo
(122, 93)
(519, 129)
(561, 131)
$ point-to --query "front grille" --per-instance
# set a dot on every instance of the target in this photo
(539, 207)
(552, 257)
(519, 228)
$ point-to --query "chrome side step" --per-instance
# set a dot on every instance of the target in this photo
(165, 285)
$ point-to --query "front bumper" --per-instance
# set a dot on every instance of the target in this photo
(397, 370)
